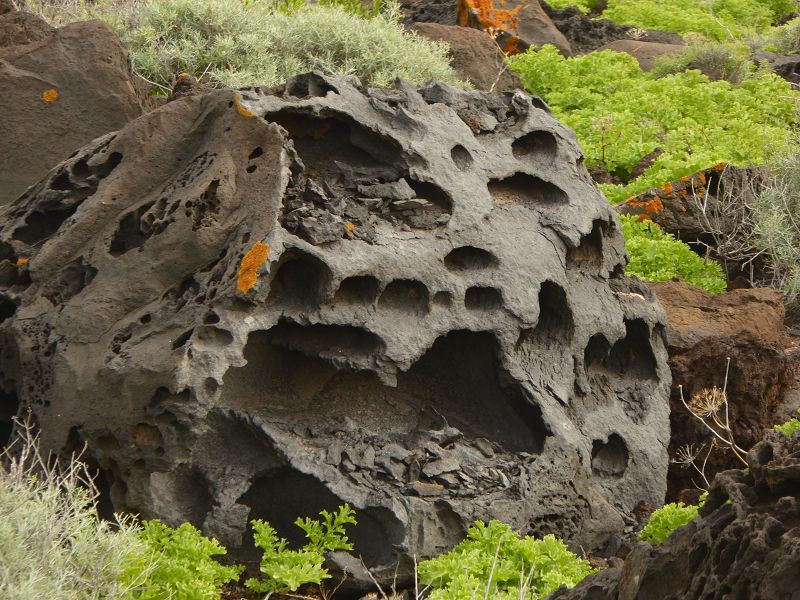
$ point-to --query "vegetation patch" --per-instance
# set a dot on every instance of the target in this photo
(621, 114)
(667, 519)
(656, 255)
(495, 562)
(237, 43)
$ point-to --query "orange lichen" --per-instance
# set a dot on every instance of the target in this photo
(182, 74)
(512, 46)
(251, 263)
(667, 188)
(350, 227)
(22, 261)
(488, 16)
(642, 218)
(720, 166)
(653, 205)
(50, 95)
(683, 192)
(240, 107)
(702, 177)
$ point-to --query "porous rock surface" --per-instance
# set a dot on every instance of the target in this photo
(745, 543)
(260, 304)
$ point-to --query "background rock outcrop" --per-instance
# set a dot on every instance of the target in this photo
(59, 89)
(744, 544)
(260, 304)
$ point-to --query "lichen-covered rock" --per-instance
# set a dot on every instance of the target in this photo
(261, 304)
(744, 544)
(59, 89)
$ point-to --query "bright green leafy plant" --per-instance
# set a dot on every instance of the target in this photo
(667, 519)
(286, 570)
(621, 114)
(495, 562)
(789, 428)
(184, 567)
(658, 256)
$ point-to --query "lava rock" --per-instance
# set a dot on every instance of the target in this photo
(743, 542)
(645, 53)
(222, 364)
(60, 90)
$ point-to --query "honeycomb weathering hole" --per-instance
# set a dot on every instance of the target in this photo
(405, 295)
(483, 298)
(540, 146)
(42, 225)
(555, 316)
(359, 289)
(330, 342)
(590, 249)
(461, 157)
(467, 258)
(459, 377)
(630, 356)
(130, 233)
(610, 458)
(525, 189)
(302, 280)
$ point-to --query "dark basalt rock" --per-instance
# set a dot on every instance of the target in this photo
(259, 304)
(744, 544)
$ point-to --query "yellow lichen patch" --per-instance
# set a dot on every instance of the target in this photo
(350, 227)
(240, 107)
(50, 95)
(22, 261)
(251, 263)
(182, 74)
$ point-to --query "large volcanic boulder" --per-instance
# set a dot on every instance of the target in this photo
(744, 544)
(261, 304)
(59, 89)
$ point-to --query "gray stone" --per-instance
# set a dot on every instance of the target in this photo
(160, 304)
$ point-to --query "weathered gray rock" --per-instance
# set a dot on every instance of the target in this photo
(209, 301)
(59, 89)
(744, 544)
(645, 53)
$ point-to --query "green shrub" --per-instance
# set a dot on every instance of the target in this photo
(621, 114)
(789, 428)
(235, 43)
(667, 519)
(286, 570)
(716, 60)
(784, 39)
(52, 544)
(183, 565)
(777, 228)
(658, 256)
(495, 562)
(584, 6)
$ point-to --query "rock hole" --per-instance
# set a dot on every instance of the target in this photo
(181, 340)
(405, 295)
(595, 356)
(333, 343)
(590, 249)
(7, 308)
(70, 281)
(183, 494)
(212, 337)
(62, 182)
(483, 298)
(211, 318)
(359, 289)
(309, 85)
(281, 497)
(9, 405)
(527, 190)
(538, 146)
(40, 226)
(255, 153)
(205, 210)
(459, 378)
(468, 258)
(610, 458)
(104, 170)
(302, 280)
(432, 193)
(131, 232)
(461, 157)
(555, 322)
(251, 168)
(81, 170)
(210, 386)
(145, 319)
(633, 355)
